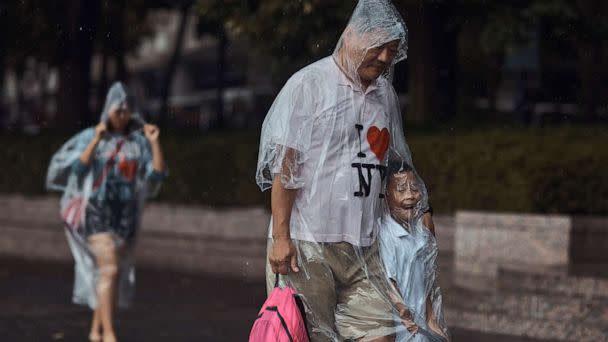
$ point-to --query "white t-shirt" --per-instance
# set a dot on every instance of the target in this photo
(343, 136)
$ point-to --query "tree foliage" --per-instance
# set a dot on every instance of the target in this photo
(291, 33)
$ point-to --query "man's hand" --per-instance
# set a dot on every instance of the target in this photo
(282, 257)
(406, 318)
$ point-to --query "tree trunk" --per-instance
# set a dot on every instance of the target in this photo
(221, 71)
(119, 43)
(5, 12)
(493, 79)
(172, 66)
(102, 86)
(448, 75)
(3, 65)
(424, 29)
(106, 34)
(590, 60)
(75, 62)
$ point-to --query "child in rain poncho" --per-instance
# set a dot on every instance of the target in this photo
(324, 149)
(105, 174)
(409, 251)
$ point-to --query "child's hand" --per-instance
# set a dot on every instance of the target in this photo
(432, 323)
(406, 318)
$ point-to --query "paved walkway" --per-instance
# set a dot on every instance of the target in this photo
(35, 306)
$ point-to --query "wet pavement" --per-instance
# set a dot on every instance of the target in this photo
(35, 305)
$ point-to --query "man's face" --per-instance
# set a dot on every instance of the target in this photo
(376, 60)
(403, 195)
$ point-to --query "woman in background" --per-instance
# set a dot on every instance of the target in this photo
(105, 173)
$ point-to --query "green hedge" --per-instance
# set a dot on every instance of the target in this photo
(551, 170)
(554, 169)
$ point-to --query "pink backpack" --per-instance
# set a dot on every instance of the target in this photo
(281, 318)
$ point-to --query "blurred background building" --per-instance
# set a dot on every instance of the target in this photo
(201, 64)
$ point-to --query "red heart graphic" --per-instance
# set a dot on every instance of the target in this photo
(378, 141)
(128, 169)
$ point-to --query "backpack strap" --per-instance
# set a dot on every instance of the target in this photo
(299, 304)
(283, 323)
(107, 166)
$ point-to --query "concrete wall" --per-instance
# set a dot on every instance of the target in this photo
(589, 240)
(227, 242)
(233, 241)
(484, 241)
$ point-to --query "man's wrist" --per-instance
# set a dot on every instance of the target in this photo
(281, 237)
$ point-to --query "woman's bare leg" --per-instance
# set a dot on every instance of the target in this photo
(104, 248)
(95, 334)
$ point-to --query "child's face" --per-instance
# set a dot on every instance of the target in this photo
(402, 196)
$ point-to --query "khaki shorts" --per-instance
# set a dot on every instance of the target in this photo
(344, 290)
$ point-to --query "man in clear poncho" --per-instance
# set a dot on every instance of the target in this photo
(105, 173)
(324, 150)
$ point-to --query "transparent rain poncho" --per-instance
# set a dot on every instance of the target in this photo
(330, 135)
(105, 197)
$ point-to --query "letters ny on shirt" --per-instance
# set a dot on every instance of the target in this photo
(378, 140)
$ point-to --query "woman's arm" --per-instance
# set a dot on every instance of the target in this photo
(152, 133)
(87, 155)
(158, 162)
